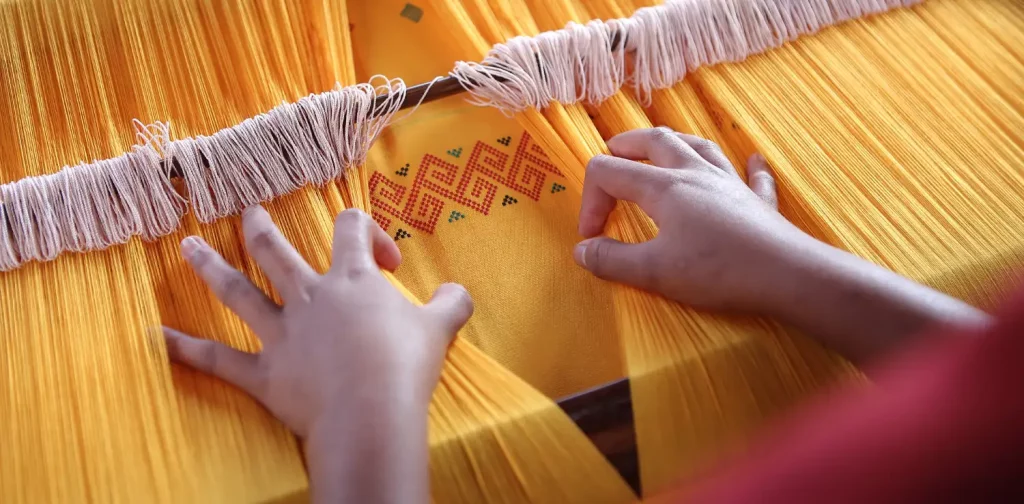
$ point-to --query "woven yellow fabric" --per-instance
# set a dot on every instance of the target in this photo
(471, 198)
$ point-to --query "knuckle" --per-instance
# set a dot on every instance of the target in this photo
(705, 145)
(597, 163)
(597, 258)
(207, 356)
(764, 180)
(201, 259)
(233, 287)
(357, 271)
(351, 217)
(663, 134)
(674, 181)
(261, 240)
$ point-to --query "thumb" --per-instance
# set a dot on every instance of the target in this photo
(760, 180)
(450, 308)
(616, 261)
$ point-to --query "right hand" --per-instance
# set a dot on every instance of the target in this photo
(720, 242)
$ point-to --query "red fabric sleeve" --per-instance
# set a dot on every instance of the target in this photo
(944, 422)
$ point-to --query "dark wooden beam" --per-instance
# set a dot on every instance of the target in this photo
(414, 96)
(448, 86)
(605, 415)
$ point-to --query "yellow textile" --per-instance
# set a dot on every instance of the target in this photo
(93, 411)
(899, 137)
(546, 319)
(725, 374)
(880, 183)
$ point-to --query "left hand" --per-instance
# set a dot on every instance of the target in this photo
(343, 342)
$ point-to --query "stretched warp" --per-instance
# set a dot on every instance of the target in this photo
(916, 166)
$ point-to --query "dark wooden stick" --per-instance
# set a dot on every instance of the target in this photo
(425, 93)
(605, 415)
(448, 86)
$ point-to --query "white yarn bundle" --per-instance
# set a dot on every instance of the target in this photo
(92, 206)
(666, 42)
(566, 66)
(87, 207)
(313, 141)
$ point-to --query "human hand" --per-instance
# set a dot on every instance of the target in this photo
(343, 344)
(720, 241)
(722, 244)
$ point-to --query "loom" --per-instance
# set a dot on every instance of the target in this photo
(895, 128)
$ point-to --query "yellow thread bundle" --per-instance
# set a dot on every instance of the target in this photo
(722, 375)
(898, 137)
(108, 419)
(933, 150)
(824, 176)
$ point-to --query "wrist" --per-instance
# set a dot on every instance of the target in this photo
(783, 273)
(854, 306)
(359, 446)
(373, 401)
(813, 277)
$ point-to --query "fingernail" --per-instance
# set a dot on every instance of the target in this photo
(250, 209)
(580, 253)
(190, 245)
(758, 159)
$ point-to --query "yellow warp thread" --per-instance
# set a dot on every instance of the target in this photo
(723, 375)
(897, 137)
(919, 169)
(514, 259)
(96, 413)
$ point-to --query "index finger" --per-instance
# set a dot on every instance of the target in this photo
(709, 151)
(360, 244)
(660, 145)
(610, 179)
(286, 269)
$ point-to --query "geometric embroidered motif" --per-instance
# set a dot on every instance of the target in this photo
(456, 215)
(412, 13)
(475, 185)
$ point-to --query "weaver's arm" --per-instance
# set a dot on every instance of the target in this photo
(348, 363)
(723, 245)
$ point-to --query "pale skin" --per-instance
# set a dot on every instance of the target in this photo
(349, 364)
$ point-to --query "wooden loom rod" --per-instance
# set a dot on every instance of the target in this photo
(427, 92)
(449, 86)
(605, 414)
